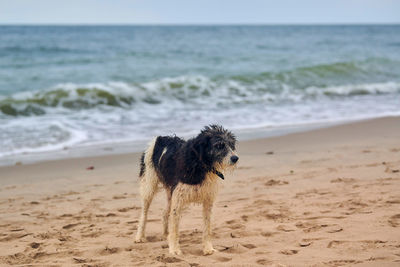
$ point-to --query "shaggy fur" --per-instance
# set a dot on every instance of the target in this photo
(189, 171)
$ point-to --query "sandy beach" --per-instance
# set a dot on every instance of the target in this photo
(327, 197)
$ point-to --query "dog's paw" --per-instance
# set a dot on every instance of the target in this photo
(140, 239)
(165, 236)
(176, 251)
(208, 251)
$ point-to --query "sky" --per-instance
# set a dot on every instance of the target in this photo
(199, 12)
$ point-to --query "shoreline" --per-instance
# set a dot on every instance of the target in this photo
(126, 147)
(47, 169)
(326, 197)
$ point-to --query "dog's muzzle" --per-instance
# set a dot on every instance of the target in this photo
(234, 159)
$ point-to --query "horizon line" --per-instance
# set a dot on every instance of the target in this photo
(207, 24)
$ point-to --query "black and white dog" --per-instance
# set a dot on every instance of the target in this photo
(189, 171)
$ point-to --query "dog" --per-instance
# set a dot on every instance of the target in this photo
(189, 171)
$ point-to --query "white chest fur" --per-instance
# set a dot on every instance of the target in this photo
(204, 192)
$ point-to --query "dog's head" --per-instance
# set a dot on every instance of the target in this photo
(216, 147)
(213, 150)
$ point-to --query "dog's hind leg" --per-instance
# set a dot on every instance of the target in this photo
(148, 187)
(166, 213)
(207, 246)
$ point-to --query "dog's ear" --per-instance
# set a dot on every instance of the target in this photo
(196, 160)
(201, 147)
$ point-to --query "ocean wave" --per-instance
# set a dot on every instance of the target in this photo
(41, 49)
(356, 89)
(369, 70)
(67, 96)
(192, 90)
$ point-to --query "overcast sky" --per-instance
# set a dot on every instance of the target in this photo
(198, 12)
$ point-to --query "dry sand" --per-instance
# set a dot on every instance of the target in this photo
(328, 197)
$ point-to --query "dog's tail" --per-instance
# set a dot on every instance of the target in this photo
(142, 165)
(146, 160)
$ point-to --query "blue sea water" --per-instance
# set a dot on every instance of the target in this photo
(71, 86)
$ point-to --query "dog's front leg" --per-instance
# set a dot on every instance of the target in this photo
(207, 246)
(173, 225)
(166, 214)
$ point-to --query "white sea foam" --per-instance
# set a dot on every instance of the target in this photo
(180, 105)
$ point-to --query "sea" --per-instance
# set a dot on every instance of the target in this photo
(68, 87)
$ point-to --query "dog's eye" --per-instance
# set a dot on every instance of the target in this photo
(220, 146)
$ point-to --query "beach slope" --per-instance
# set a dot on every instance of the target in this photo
(328, 197)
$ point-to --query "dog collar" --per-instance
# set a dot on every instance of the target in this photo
(220, 175)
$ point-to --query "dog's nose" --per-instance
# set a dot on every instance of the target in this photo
(234, 159)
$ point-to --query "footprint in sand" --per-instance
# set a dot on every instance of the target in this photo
(233, 249)
(244, 218)
(108, 251)
(273, 182)
(264, 262)
(128, 209)
(249, 246)
(14, 236)
(106, 215)
(305, 243)
(268, 234)
(393, 201)
(93, 234)
(342, 262)
(262, 203)
(394, 221)
(153, 238)
(64, 215)
(223, 259)
(232, 224)
(277, 216)
(289, 251)
(14, 259)
(335, 243)
(166, 259)
(285, 228)
(343, 180)
(119, 196)
(334, 229)
(309, 227)
(80, 260)
(69, 226)
(34, 245)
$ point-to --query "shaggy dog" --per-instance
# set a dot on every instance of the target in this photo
(189, 171)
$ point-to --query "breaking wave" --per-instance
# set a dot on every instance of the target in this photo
(193, 90)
